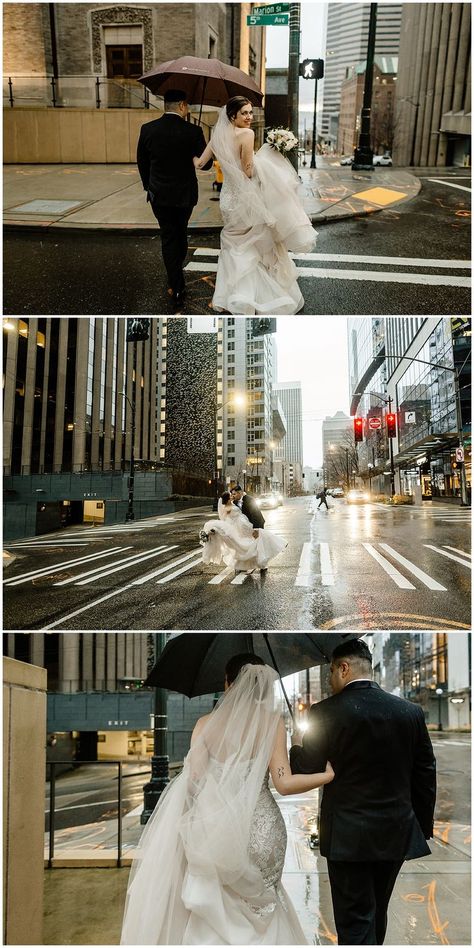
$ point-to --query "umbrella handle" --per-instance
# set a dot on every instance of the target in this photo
(290, 709)
(202, 98)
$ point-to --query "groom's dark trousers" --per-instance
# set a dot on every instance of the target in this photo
(166, 148)
(378, 811)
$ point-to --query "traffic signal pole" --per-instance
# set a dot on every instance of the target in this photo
(392, 464)
(293, 77)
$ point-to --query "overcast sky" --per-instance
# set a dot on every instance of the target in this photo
(313, 350)
(313, 43)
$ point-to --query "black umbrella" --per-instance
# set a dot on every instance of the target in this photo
(193, 663)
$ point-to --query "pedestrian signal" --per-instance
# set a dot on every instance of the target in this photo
(311, 69)
(358, 429)
(391, 425)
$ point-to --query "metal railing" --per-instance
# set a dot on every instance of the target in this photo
(75, 92)
(52, 805)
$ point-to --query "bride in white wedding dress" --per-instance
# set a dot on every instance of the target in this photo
(232, 540)
(209, 866)
(263, 220)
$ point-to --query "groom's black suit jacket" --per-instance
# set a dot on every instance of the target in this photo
(381, 802)
(166, 148)
(252, 512)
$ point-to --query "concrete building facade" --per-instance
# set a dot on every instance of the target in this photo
(290, 448)
(433, 102)
(346, 46)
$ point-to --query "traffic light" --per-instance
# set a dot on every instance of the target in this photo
(358, 429)
(261, 327)
(138, 330)
(391, 425)
(311, 69)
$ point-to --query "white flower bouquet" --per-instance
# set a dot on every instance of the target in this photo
(282, 140)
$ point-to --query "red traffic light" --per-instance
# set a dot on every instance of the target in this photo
(391, 420)
(358, 429)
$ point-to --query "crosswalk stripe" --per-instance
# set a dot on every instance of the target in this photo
(45, 546)
(46, 570)
(163, 569)
(425, 579)
(449, 184)
(240, 578)
(100, 572)
(361, 258)
(182, 569)
(327, 575)
(304, 576)
(375, 276)
(457, 559)
(224, 574)
(455, 550)
(398, 578)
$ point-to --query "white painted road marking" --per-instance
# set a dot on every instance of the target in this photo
(450, 556)
(304, 576)
(362, 258)
(453, 548)
(164, 569)
(327, 575)
(224, 574)
(182, 569)
(375, 276)
(425, 579)
(450, 184)
(46, 570)
(389, 568)
(240, 578)
(100, 572)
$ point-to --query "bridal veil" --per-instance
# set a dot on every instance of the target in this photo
(192, 881)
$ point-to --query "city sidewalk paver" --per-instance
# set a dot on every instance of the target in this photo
(430, 904)
(111, 197)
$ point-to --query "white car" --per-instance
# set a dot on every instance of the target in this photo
(348, 160)
(382, 160)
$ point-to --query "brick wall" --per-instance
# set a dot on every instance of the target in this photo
(23, 38)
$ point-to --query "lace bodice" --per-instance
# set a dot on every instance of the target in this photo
(267, 845)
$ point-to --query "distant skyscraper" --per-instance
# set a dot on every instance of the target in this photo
(346, 46)
(291, 447)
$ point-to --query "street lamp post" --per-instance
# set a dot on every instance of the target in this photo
(235, 400)
(439, 692)
(363, 153)
(160, 761)
(131, 480)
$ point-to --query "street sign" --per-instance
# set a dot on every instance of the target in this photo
(272, 8)
(410, 418)
(263, 20)
(374, 424)
(460, 455)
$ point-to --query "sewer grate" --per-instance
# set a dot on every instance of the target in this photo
(46, 207)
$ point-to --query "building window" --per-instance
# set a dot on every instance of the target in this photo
(124, 62)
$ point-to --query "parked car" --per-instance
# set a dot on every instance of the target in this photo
(382, 160)
(268, 501)
(347, 160)
(358, 497)
(337, 492)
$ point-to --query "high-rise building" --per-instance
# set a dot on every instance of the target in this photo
(346, 46)
(420, 368)
(337, 437)
(290, 448)
(433, 100)
(249, 424)
(382, 112)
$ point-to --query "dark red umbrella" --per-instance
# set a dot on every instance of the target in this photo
(205, 81)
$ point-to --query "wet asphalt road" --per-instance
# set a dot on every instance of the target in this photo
(55, 272)
(354, 567)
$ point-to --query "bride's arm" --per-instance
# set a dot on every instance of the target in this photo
(246, 151)
(204, 159)
(285, 782)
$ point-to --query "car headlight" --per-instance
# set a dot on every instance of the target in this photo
(366, 496)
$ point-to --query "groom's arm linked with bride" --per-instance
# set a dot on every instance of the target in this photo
(379, 809)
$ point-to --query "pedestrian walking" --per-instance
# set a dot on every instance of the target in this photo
(322, 498)
(165, 153)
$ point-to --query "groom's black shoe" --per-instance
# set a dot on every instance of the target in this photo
(178, 298)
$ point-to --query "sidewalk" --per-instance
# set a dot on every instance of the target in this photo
(430, 905)
(111, 197)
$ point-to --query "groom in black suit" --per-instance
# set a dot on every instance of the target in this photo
(378, 811)
(166, 149)
(249, 507)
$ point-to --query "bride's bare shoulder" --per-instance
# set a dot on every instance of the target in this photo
(198, 727)
(245, 133)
